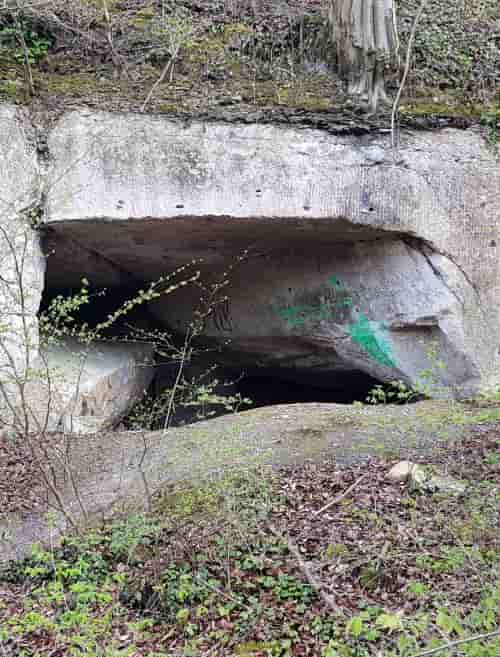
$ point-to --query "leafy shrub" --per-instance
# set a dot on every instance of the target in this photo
(37, 42)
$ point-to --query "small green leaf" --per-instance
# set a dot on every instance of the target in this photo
(355, 626)
(449, 623)
(183, 616)
(390, 622)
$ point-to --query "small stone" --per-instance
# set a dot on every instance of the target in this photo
(406, 470)
(445, 485)
(229, 100)
(416, 474)
(374, 154)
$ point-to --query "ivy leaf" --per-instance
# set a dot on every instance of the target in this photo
(449, 623)
(390, 622)
(355, 626)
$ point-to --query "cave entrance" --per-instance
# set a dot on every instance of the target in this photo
(249, 391)
(276, 335)
(264, 386)
(270, 390)
(92, 305)
(267, 387)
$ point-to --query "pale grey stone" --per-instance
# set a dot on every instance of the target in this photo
(91, 386)
(412, 238)
(407, 471)
(420, 477)
(22, 265)
(441, 484)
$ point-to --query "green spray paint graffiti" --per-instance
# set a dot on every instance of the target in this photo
(371, 337)
(299, 315)
(335, 282)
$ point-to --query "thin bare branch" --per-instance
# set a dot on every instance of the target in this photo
(118, 60)
(340, 497)
(157, 83)
(459, 642)
(409, 49)
(329, 601)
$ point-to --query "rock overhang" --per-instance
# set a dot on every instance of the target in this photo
(157, 194)
(112, 252)
(130, 196)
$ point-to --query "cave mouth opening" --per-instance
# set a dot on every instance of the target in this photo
(101, 302)
(128, 257)
(271, 390)
(262, 387)
(257, 390)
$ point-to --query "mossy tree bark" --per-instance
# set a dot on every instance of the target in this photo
(367, 45)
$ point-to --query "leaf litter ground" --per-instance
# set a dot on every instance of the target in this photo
(251, 565)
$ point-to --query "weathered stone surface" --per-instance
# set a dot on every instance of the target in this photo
(412, 237)
(22, 266)
(442, 484)
(374, 306)
(419, 476)
(111, 469)
(407, 471)
(84, 389)
(358, 259)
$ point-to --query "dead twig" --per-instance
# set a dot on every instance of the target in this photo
(163, 75)
(224, 594)
(118, 60)
(329, 601)
(340, 497)
(459, 642)
(28, 74)
(405, 72)
(174, 33)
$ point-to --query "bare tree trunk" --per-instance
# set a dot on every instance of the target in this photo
(367, 45)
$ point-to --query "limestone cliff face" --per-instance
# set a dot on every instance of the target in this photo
(359, 258)
(22, 265)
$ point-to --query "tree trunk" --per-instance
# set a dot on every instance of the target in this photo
(367, 45)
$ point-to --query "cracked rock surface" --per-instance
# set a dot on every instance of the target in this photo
(358, 258)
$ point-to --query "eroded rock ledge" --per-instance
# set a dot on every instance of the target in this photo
(360, 259)
(117, 472)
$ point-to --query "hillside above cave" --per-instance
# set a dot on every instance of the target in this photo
(259, 61)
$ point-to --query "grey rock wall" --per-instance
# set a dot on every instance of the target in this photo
(377, 306)
(22, 265)
(358, 257)
(85, 389)
(150, 194)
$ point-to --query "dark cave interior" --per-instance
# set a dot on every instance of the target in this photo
(263, 387)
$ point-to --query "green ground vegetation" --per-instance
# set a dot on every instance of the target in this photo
(213, 570)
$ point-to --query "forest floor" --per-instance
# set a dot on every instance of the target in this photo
(319, 558)
(246, 60)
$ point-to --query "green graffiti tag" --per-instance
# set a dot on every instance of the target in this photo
(371, 337)
(335, 282)
(299, 315)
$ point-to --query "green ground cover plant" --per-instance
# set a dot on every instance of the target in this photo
(251, 565)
